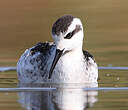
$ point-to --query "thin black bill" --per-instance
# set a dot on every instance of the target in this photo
(57, 57)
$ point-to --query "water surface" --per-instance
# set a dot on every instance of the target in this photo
(110, 93)
(42, 98)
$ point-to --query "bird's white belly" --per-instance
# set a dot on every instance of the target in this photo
(70, 70)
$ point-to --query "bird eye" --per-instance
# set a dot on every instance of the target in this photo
(69, 35)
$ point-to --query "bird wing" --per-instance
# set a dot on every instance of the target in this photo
(32, 65)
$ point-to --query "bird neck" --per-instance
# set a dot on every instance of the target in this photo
(77, 52)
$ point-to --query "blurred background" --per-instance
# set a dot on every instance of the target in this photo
(24, 23)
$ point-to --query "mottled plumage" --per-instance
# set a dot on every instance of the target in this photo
(34, 62)
(73, 65)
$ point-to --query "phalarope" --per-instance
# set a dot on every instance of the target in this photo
(63, 61)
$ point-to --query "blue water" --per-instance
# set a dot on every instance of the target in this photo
(41, 89)
(2, 69)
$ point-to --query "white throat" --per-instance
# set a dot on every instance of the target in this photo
(70, 68)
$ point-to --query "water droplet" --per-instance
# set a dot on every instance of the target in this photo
(107, 74)
(118, 78)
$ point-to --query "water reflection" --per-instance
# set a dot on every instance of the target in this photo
(65, 97)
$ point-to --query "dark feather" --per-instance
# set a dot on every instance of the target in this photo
(62, 24)
(41, 47)
(87, 55)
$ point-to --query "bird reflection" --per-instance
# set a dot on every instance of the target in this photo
(69, 97)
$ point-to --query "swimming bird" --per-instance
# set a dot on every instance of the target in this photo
(61, 61)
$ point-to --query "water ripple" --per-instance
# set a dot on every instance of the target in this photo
(2, 69)
(27, 89)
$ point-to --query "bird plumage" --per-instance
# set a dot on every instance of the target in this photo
(33, 64)
(73, 65)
